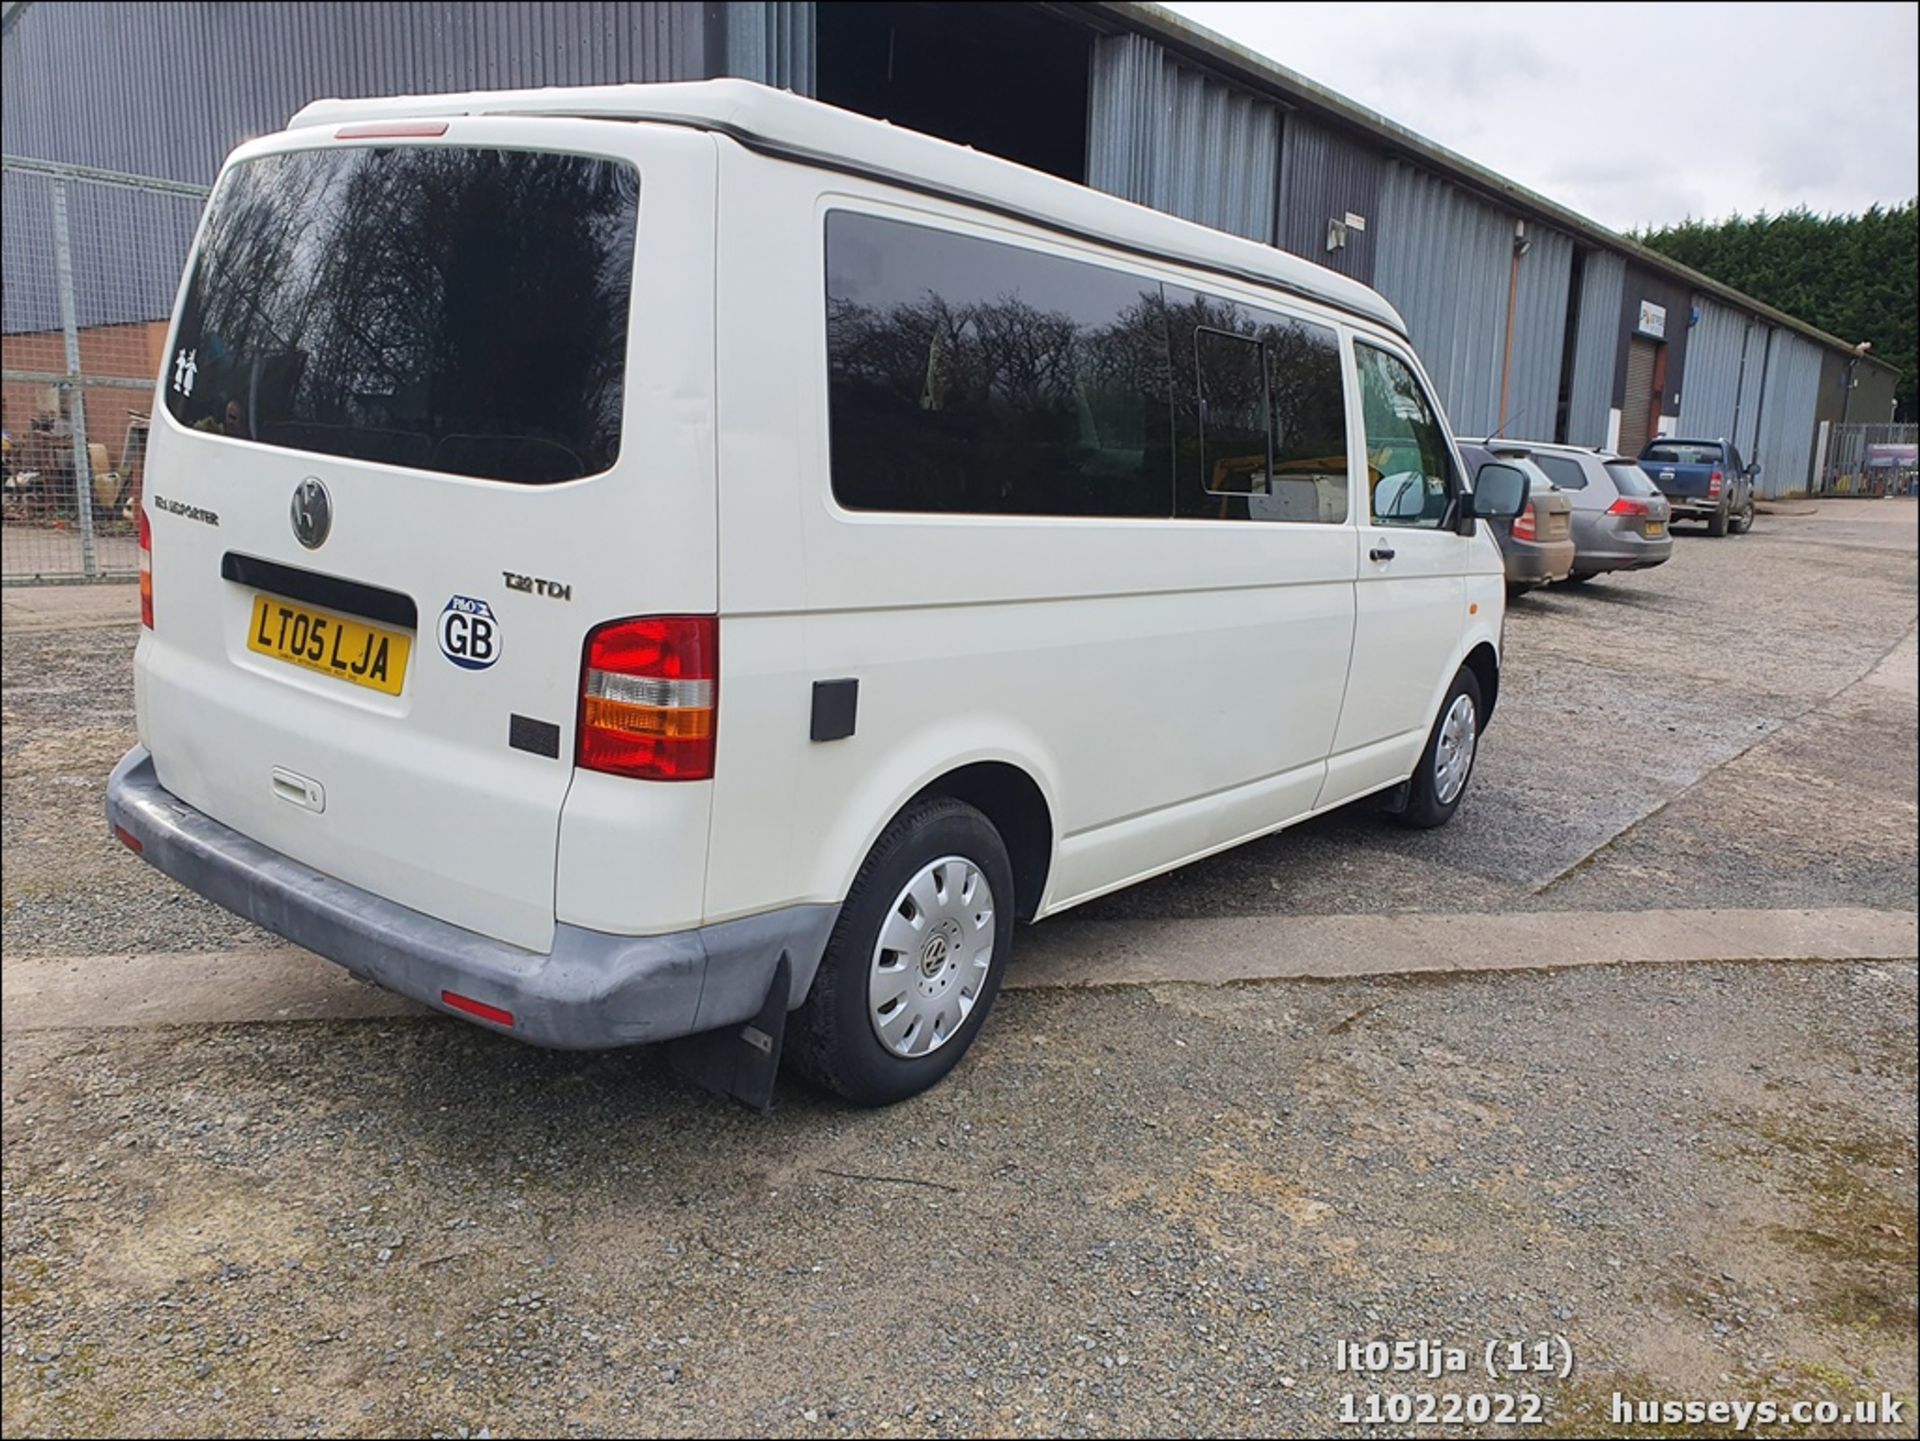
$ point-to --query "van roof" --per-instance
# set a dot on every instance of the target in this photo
(796, 128)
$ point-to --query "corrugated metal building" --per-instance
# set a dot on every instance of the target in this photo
(1530, 317)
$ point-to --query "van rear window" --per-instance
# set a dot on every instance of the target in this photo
(447, 309)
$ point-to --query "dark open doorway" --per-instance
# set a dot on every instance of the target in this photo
(1007, 79)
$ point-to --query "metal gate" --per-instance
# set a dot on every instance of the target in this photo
(89, 261)
(1866, 459)
(1636, 414)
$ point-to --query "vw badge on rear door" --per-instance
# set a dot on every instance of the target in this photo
(312, 513)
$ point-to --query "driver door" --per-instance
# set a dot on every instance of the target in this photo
(1411, 596)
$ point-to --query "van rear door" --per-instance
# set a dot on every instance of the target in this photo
(409, 454)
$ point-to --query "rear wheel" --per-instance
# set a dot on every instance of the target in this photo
(1434, 793)
(1717, 522)
(1743, 522)
(915, 960)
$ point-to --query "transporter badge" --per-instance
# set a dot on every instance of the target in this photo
(469, 634)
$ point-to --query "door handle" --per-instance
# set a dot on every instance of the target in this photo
(1381, 552)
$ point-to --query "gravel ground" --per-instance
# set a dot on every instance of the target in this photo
(1618, 698)
(1133, 1211)
(1139, 1212)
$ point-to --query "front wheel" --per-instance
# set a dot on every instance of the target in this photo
(1434, 793)
(914, 961)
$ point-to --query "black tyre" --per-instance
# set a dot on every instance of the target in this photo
(1743, 522)
(915, 960)
(1446, 765)
(1717, 522)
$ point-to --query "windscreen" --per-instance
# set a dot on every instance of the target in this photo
(1630, 479)
(447, 309)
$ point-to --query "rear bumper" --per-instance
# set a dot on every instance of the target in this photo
(1538, 562)
(1694, 507)
(591, 991)
(1624, 555)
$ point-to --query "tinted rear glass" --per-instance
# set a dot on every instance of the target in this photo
(1630, 479)
(1563, 470)
(1676, 454)
(447, 309)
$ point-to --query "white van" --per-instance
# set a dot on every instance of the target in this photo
(631, 563)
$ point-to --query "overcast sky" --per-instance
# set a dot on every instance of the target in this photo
(1630, 114)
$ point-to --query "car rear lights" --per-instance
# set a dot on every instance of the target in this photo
(1526, 524)
(648, 690)
(1626, 505)
(146, 570)
(1713, 486)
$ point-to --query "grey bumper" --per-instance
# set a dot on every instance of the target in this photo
(1538, 562)
(592, 990)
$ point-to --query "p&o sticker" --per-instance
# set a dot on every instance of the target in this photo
(469, 634)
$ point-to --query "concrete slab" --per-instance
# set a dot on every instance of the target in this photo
(1252, 948)
(232, 987)
(26, 609)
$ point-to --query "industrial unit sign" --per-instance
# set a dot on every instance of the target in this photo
(1653, 320)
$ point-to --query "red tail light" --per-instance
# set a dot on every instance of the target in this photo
(1626, 505)
(1525, 524)
(146, 570)
(1713, 486)
(648, 693)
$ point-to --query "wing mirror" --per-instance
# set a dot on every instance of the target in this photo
(1499, 493)
(1753, 468)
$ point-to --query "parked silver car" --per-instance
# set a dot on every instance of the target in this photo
(1537, 545)
(1621, 521)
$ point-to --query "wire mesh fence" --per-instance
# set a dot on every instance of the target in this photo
(89, 260)
(1870, 459)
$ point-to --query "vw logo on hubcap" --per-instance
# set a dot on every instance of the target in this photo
(312, 513)
(934, 957)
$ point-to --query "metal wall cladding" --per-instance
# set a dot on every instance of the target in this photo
(1596, 344)
(168, 90)
(1721, 389)
(772, 43)
(1444, 259)
(127, 248)
(1784, 446)
(1324, 177)
(1175, 138)
(1539, 334)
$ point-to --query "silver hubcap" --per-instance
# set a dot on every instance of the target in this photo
(932, 958)
(1453, 757)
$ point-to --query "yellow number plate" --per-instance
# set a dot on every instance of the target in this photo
(334, 645)
(1656, 527)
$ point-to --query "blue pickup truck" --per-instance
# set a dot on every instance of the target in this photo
(1704, 480)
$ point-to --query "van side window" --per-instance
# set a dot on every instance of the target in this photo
(1235, 427)
(972, 376)
(1262, 430)
(1410, 472)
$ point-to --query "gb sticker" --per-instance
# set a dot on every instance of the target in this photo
(469, 635)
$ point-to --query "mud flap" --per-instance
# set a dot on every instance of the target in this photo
(1394, 802)
(741, 1061)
